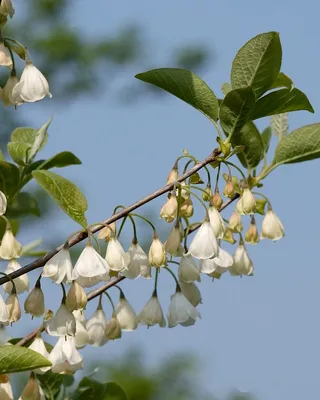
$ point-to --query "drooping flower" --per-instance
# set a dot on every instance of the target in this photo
(32, 87)
(217, 200)
(7, 91)
(96, 327)
(81, 337)
(90, 264)
(91, 281)
(4, 315)
(188, 270)
(204, 244)
(157, 254)
(5, 388)
(186, 209)
(235, 223)
(39, 346)
(247, 203)
(13, 307)
(59, 267)
(21, 282)
(5, 59)
(34, 303)
(181, 311)
(107, 232)
(76, 298)
(252, 236)
(173, 175)
(272, 227)
(152, 313)
(192, 292)
(113, 328)
(221, 263)
(10, 247)
(139, 262)
(126, 315)
(242, 263)
(228, 190)
(170, 208)
(64, 356)
(216, 222)
(3, 201)
(63, 323)
(116, 257)
(173, 242)
(32, 390)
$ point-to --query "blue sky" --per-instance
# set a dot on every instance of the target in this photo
(258, 334)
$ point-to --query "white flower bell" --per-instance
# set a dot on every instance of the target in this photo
(3, 200)
(96, 327)
(116, 257)
(21, 283)
(221, 263)
(247, 203)
(235, 223)
(81, 336)
(204, 244)
(216, 222)
(272, 227)
(13, 307)
(5, 388)
(10, 247)
(113, 328)
(192, 292)
(242, 263)
(59, 267)
(138, 262)
(91, 281)
(173, 242)
(188, 270)
(152, 313)
(6, 8)
(90, 264)
(4, 315)
(63, 323)
(126, 315)
(181, 311)
(39, 346)
(64, 356)
(34, 303)
(7, 91)
(157, 254)
(76, 298)
(5, 59)
(170, 208)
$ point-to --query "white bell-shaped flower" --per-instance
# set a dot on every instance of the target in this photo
(76, 298)
(235, 223)
(272, 227)
(221, 263)
(91, 281)
(152, 313)
(5, 59)
(63, 323)
(138, 262)
(188, 270)
(64, 356)
(10, 247)
(242, 263)
(192, 292)
(5, 388)
(173, 242)
(181, 311)
(96, 327)
(4, 315)
(13, 307)
(39, 346)
(7, 91)
(126, 315)
(3, 200)
(204, 244)
(34, 303)
(116, 257)
(33, 85)
(170, 208)
(6, 8)
(90, 264)
(21, 283)
(113, 328)
(157, 253)
(81, 336)
(247, 203)
(216, 222)
(59, 267)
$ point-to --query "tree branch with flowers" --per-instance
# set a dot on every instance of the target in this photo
(193, 249)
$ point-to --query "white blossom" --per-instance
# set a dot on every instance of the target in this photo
(90, 264)
(170, 208)
(5, 59)
(13, 307)
(216, 222)
(181, 311)
(76, 298)
(157, 253)
(204, 244)
(10, 247)
(188, 270)
(272, 227)
(3, 201)
(7, 91)
(247, 203)
(192, 292)
(59, 267)
(173, 242)
(138, 262)
(81, 337)
(221, 263)
(39, 346)
(152, 313)
(126, 315)
(64, 356)
(91, 281)
(116, 257)
(113, 328)
(242, 263)
(235, 223)
(6, 8)
(96, 326)
(4, 315)
(21, 282)
(62, 323)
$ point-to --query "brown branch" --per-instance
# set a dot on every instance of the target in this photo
(38, 263)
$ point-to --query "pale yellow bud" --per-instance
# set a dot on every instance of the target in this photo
(107, 231)
(252, 236)
(247, 203)
(173, 242)
(13, 307)
(32, 389)
(113, 329)
(207, 194)
(235, 223)
(10, 247)
(228, 190)
(76, 298)
(34, 303)
(173, 175)
(186, 209)
(157, 254)
(170, 208)
(217, 200)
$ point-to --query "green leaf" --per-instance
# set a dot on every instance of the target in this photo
(22, 141)
(114, 392)
(260, 206)
(185, 85)
(266, 137)
(303, 144)
(48, 346)
(50, 383)
(282, 81)
(281, 101)
(9, 178)
(65, 193)
(39, 139)
(23, 204)
(226, 88)
(2, 157)
(235, 110)
(60, 160)
(90, 389)
(257, 64)
(18, 359)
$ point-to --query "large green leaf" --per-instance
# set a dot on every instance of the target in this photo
(185, 85)
(281, 101)
(18, 359)
(50, 384)
(303, 144)
(114, 392)
(282, 81)
(21, 142)
(90, 389)
(60, 160)
(250, 138)
(65, 193)
(266, 136)
(23, 204)
(235, 110)
(9, 178)
(257, 63)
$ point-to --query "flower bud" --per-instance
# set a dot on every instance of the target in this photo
(107, 231)
(272, 227)
(217, 200)
(34, 303)
(116, 257)
(126, 315)
(247, 203)
(157, 254)
(228, 190)
(207, 194)
(32, 389)
(173, 242)
(10, 247)
(173, 175)
(5, 387)
(96, 327)
(113, 329)
(13, 307)
(170, 208)
(252, 236)
(216, 222)
(21, 283)
(76, 298)
(3, 203)
(5, 59)
(186, 209)
(152, 313)
(235, 223)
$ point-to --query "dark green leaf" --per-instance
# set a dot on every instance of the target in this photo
(257, 64)
(2, 157)
(282, 81)
(281, 101)
(65, 193)
(303, 144)
(89, 389)
(24, 204)
(114, 392)
(260, 206)
(9, 178)
(226, 88)
(186, 86)
(250, 138)
(266, 137)
(235, 110)
(18, 359)
(50, 383)
(60, 160)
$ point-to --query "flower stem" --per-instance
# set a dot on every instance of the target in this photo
(64, 293)
(110, 299)
(172, 274)
(144, 219)
(236, 167)
(156, 280)
(14, 289)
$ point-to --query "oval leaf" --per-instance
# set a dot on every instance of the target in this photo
(257, 63)
(185, 85)
(281, 101)
(253, 151)
(303, 144)
(282, 81)
(235, 110)
(23, 204)
(9, 178)
(266, 136)
(89, 389)
(60, 160)
(65, 193)
(114, 392)
(18, 359)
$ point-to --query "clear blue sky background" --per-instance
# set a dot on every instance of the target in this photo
(258, 334)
